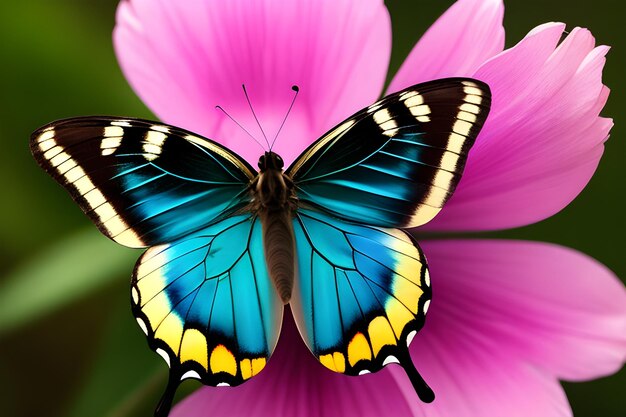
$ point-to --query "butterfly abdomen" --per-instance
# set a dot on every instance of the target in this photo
(278, 242)
(275, 202)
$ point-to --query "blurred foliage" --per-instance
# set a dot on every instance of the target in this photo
(19, 304)
(68, 343)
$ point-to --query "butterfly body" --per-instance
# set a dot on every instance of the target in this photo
(275, 201)
(229, 246)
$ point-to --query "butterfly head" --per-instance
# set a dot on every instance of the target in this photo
(270, 160)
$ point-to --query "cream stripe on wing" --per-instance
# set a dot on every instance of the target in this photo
(69, 169)
(466, 118)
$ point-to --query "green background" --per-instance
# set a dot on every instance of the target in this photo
(68, 343)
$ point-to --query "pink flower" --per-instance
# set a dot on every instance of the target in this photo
(509, 318)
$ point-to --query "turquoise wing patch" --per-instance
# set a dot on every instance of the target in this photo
(207, 305)
(360, 293)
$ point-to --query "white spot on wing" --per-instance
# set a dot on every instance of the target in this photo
(65, 167)
(59, 159)
(110, 144)
(135, 295)
(421, 110)
(123, 123)
(45, 135)
(223, 384)
(410, 337)
(435, 197)
(455, 142)
(423, 214)
(415, 103)
(474, 91)
(415, 100)
(468, 83)
(52, 152)
(83, 184)
(474, 94)
(408, 95)
(421, 113)
(389, 128)
(154, 141)
(470, 108)
(426, 306)
(427, 278)
(449, 161)
(47, 144)
(390, 359)
(73, 173)
(156, 138)
(443, 179)
(153, 149)
(95, 198)
(385, 122)
(381, 116)
(143, 326)
(462, 127)
(364, 372)
(115, 225)
(474, 99)
(105, 212)
(129, 238)
(190, 374)
(113, 131)
(374, 107)
(161, 128)
(164, 355)
(468, 117)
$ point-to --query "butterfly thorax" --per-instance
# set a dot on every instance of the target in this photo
(272, 189)
(274, 202)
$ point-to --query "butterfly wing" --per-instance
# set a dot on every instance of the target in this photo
(395, 163)
(360, 295)
(142, 183)
(207, 305)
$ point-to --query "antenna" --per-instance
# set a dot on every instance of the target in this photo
(238, 124)
(295, 96)
(254, 114)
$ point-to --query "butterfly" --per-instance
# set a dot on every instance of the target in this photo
(229, 247)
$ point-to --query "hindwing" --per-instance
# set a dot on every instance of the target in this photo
(207, 305)
(361, 292)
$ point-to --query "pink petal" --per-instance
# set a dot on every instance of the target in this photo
(472, 382)
(185, 57)
(295, 384)
(544, 137)
(532, 303)
(461, 40)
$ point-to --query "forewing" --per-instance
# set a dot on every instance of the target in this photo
(207, 305)
(359, 294)
(142, 183)
(397, 162)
